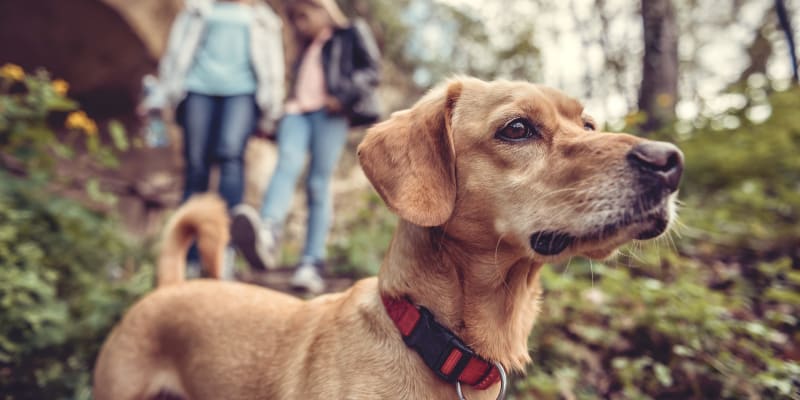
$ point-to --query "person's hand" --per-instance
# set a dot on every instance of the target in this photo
(142, 111)
(266, 135)
(266, 129)
(333, 105)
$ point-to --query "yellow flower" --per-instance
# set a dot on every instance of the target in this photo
(90, 128)
(79, 121)
(12, 71)
(60, 87)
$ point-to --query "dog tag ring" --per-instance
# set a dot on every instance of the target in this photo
(503, 384)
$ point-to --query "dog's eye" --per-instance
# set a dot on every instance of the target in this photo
(516, 131)
(589, 126)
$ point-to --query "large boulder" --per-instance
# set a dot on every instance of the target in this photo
(101, 47)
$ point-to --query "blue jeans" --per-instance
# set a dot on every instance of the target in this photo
(323, 137)
(215, 131)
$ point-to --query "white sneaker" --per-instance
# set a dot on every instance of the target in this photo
(193, 270)
(306, 277)
(257, 243)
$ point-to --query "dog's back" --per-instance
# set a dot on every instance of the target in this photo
(203, 218)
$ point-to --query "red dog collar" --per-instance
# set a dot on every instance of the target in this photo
(444, 352)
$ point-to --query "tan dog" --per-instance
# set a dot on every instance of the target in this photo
(491, 180)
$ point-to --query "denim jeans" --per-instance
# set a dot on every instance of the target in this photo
(215, 131)
(323, 137)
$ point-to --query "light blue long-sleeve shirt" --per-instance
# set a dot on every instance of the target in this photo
(222, 64)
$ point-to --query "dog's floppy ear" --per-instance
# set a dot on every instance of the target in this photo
(410, 159)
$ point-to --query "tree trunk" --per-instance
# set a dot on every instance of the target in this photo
(659, 90)
(786, 25)
(759, 51)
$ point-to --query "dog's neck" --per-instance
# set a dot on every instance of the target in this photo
(486, 295)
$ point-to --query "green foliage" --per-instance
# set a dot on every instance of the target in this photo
(392, 31)
(359, 253)
(656, 330)
(743, 185)
(39, 124)
(466, 45)
(66, 275)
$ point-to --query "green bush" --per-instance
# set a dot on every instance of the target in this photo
(657, 331)
(359, 252)
(41, 126)
(28, 105)
(742, 187)
(66, 275)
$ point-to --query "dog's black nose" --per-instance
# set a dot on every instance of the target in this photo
(661, 160)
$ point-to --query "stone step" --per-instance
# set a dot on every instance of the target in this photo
(279, 280)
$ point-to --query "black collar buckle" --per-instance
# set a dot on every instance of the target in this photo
(436, 344)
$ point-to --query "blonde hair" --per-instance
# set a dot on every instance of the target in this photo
(337, 16)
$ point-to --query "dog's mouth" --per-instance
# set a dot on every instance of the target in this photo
(639, 226)
(550, 243)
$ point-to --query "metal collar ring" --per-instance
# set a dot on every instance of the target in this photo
(503, 384)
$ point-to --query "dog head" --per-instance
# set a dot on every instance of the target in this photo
(521, 164)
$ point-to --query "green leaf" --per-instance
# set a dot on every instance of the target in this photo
(63, 151)
(118, 135)
(60, 104)
(96, 193)
(663, 374)
(92, 144)
(93, 189)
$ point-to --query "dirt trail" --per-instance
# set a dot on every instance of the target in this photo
(279, 280)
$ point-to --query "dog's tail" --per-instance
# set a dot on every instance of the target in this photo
(203, 218)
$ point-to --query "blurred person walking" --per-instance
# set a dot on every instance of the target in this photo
(334, 81)
(223, 72)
